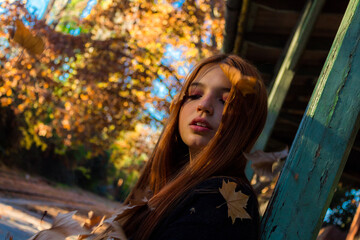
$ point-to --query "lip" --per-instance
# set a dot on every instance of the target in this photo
(197, 128)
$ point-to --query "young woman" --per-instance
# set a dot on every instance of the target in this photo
(217, 116)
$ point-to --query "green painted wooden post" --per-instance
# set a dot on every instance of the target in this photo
(282, 81)
(286, 73)
(322, 143)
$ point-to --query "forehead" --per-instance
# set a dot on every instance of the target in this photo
(211, 76)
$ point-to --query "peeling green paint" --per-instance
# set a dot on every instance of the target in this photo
(322, 143)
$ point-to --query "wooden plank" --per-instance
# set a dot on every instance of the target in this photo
(270, 54)
(322, 143)
(282, 22)
(266, 19)
(233, 8)
(286, 73)
(243, 18)
(278, 40)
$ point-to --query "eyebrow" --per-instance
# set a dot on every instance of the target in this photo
(197, 84)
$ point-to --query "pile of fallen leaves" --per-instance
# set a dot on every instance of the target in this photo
(97, 228)
(266, 167)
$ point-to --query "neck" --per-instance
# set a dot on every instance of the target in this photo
(193, 153)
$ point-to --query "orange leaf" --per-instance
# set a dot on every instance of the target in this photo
(236, 201)
(246, 84)
(92, 220)
(32, 43)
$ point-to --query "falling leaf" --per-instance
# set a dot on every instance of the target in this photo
(32, 43)
(266, 164)
(245, 83)
(62, 227)
(236, 201)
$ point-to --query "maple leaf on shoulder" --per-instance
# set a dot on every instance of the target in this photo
(236, 201)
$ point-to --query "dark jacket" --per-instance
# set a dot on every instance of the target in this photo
(198, 216)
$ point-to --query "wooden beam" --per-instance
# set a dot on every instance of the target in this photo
(282, 81)
(241, 27)
(322, 143)
(232, 12)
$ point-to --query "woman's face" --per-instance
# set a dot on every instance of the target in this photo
(201, 113)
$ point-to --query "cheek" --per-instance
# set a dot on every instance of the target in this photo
(220, 110)
(185, 117)
(185, 111)
(182, 119)
(219, 115)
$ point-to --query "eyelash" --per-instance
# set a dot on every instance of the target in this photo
(194, 96)
(197, 96)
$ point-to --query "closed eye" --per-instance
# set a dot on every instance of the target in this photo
(194, 96)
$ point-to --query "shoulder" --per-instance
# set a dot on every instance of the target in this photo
(218, 181)
(204, 214)
(225, 193)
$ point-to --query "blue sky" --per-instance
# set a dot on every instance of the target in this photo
(37, 7)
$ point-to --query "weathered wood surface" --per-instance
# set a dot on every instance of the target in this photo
(293, 51)
(233, 9)
(322, 143)
(243, 18)
(282, 81)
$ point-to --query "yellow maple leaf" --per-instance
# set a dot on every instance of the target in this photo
(236, 201)
(32, 43)
(246, 84)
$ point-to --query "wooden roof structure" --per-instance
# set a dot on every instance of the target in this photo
(259, 31)
(309, 54)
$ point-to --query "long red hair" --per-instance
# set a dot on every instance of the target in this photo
(168, 174)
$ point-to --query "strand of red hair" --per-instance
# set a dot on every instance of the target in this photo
(169, 174)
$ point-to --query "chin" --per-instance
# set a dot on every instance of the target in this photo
(198, 145)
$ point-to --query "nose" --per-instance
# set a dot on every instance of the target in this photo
(206, 106)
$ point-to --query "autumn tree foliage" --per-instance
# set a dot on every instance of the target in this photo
(94, 78)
